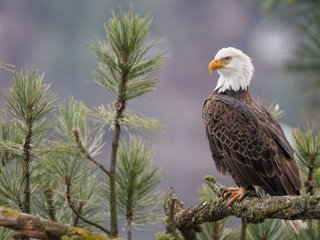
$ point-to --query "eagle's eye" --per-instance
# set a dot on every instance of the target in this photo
(227, 59)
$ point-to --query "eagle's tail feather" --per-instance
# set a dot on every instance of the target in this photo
(296, 225)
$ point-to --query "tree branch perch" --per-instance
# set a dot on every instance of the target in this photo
(250, 210)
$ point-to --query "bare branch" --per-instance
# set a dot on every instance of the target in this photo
(169, 211)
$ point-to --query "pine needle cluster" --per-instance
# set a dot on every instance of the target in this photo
(125, 66)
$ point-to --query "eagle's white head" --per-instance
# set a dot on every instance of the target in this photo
(234, 67)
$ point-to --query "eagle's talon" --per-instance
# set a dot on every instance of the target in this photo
(229, 191)
(235, 194)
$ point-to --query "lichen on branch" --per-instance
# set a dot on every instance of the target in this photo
(250, 210)
(39, 228)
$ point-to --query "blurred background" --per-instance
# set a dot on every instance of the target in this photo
(55, 36)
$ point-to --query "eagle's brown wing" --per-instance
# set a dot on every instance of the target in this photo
(249, 144)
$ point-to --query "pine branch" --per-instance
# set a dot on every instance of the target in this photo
(76, 212)
(39, 228)
(79, 210)
(125, 71)
(29, 101)
(307, 149)
(250, 210)
(137, 184)
(130, 119)
(26, 167)
(273, 108)
(86, 153)
(7, 67)
(120, 106)
(76, 115)
(51, 206)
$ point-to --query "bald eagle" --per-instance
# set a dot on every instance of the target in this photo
(245, 140)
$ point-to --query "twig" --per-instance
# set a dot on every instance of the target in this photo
(170, 226)
(74, 210)
(26, 165)
(85, 152)
(213, 185)
(310, 184)
(80, 207)
(51, 206)
(243, 230)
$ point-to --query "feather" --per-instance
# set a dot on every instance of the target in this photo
(249, 144)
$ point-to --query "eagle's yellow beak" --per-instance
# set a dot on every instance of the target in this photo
(214, 65)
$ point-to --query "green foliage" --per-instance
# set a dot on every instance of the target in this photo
(138, 183)
(218, 230)
(9, 136)
(307, 148)
(205, 193)
(317, 177)
(48, 153)
(126, 68)
(29, 101)
(70, 163)
(6, 234)
(269, 229)
(50, 202)
(130, 119)
(311, 233)
(76, 115)
(273, 108)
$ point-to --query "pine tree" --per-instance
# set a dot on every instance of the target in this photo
(125, 70)
(51, 147)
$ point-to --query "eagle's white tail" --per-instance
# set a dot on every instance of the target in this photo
(296, 225)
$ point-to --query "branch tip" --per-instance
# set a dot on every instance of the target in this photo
(214, 185)
(76, 134)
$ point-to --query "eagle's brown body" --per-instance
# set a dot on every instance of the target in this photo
(249, 144)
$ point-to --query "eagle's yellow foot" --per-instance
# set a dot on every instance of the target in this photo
(235, 194)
